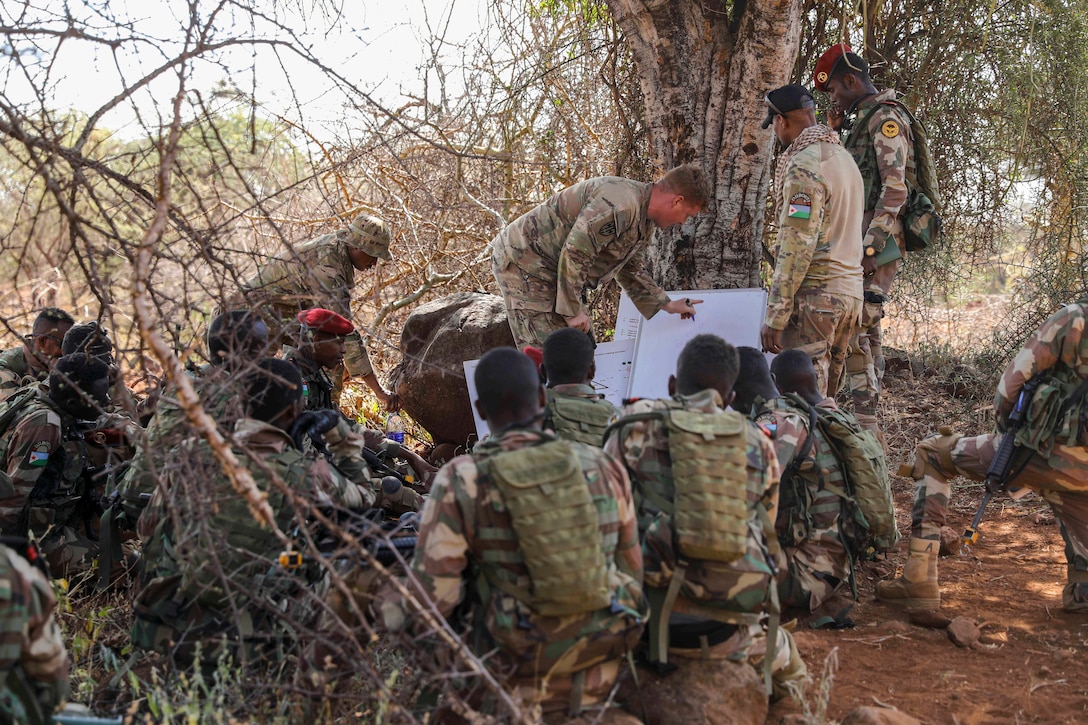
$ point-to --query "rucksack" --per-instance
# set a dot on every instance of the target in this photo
(578, 419)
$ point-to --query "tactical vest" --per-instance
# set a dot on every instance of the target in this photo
(578, 419)
(556, 524)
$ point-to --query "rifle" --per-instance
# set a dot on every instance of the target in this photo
(997, 476)
(386, 540)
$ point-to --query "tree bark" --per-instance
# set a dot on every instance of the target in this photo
(704, 67)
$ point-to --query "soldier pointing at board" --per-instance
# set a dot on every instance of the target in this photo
(581, 238)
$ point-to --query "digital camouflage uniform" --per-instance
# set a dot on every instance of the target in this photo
(467, 527)
(18, 368)
(1060, 475)
(816, 294)
(585, 421)
(44, 458)
(210, 569)
(817, 561)
(578, 240)
(884, 151)
(32, 648)
(317, 273)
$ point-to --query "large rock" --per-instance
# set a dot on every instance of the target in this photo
(714, 692)
(436, 340)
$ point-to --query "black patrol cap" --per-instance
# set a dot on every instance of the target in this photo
(785, 99)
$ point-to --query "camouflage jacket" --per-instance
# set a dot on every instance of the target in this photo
(31, 644)
(643, 446)
(580, 239)
(1060, 344)
(43, 457)
(466, 525)
(819, 234)
(18, 368)
(884, 151)
(316, 386)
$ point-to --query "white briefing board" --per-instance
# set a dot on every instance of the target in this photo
(735, 315)
(614, 361)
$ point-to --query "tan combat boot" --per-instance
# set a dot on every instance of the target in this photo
(918, 585)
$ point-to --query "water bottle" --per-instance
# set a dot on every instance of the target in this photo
(394, 427)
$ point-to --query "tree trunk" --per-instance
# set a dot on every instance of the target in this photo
(704, 67)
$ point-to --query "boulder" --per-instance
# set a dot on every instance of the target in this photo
(712, 692)
(869, 715)
(963, 632)
(437, 339)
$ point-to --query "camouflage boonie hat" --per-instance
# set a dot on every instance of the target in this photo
(370, 235)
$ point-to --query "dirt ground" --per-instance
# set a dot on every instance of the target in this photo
(1030, 665)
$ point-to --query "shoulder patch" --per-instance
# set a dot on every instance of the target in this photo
(39, 454)
(800, 206)
(608, 229)
(890, 129)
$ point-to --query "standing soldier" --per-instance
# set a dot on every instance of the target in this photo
(880, 139)
(321, 273)
(30, 362)
(556, 608)
(575, 410)
(1051, 459)
(815, 299)
(548, 259)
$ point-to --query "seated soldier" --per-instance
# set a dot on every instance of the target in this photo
(575, 411)
(33, 654)
(210, 568)
(44, 459)
(30, 362)
(321, 348)
(706, 481)
(557, 600)
(810, 508)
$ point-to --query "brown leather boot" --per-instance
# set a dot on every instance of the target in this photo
(918, 585)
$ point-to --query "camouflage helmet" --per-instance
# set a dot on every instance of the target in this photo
(369, 234)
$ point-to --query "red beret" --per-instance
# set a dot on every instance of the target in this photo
(321, 320)
(535, 354)
(827, 63)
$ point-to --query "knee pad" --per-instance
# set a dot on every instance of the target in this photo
(933, 452)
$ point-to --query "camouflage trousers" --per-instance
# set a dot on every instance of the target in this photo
(1061, 479)
(823, 326)
(815, 570)
(749, 644)
(865, 361)
(530, 304)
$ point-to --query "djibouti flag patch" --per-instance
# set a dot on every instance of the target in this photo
(800, 206)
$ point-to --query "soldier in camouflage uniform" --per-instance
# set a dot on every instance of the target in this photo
(706, 371)
(44, 459)
(808, 519)
(321, 273)
(547, 260)
(575, 410)
(473, 546)
(29, 363)
(1054, 434)
(880, 140)
(815, 298)
(31, 644)
(210, 571)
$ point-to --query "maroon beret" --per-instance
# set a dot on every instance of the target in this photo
(535, 354)
(322, 320)
(828, 63)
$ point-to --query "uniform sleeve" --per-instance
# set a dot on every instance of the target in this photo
(789, 437)
(649, 299)
(441, 556)
(10, 382)
(347, 445)
(772, 473)
(356, 358)
(799, 223)
(596, 226)
(893, 146)
(628, 550)
(35, 451)
(41, 651)
(1057, 340)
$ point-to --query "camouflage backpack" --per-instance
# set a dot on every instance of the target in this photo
(557, 528)
(578, 419)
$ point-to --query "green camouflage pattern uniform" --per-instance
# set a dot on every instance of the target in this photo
(169, 426)
(578, 240)
(584, 392)
(1060, 476)
(18, 368)
(817, 561)
(644, 448)
(884, 152)
(317, 273)
(816, 294)
(466, 525)
(44, 457)
(209, 568)
(31, 644)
